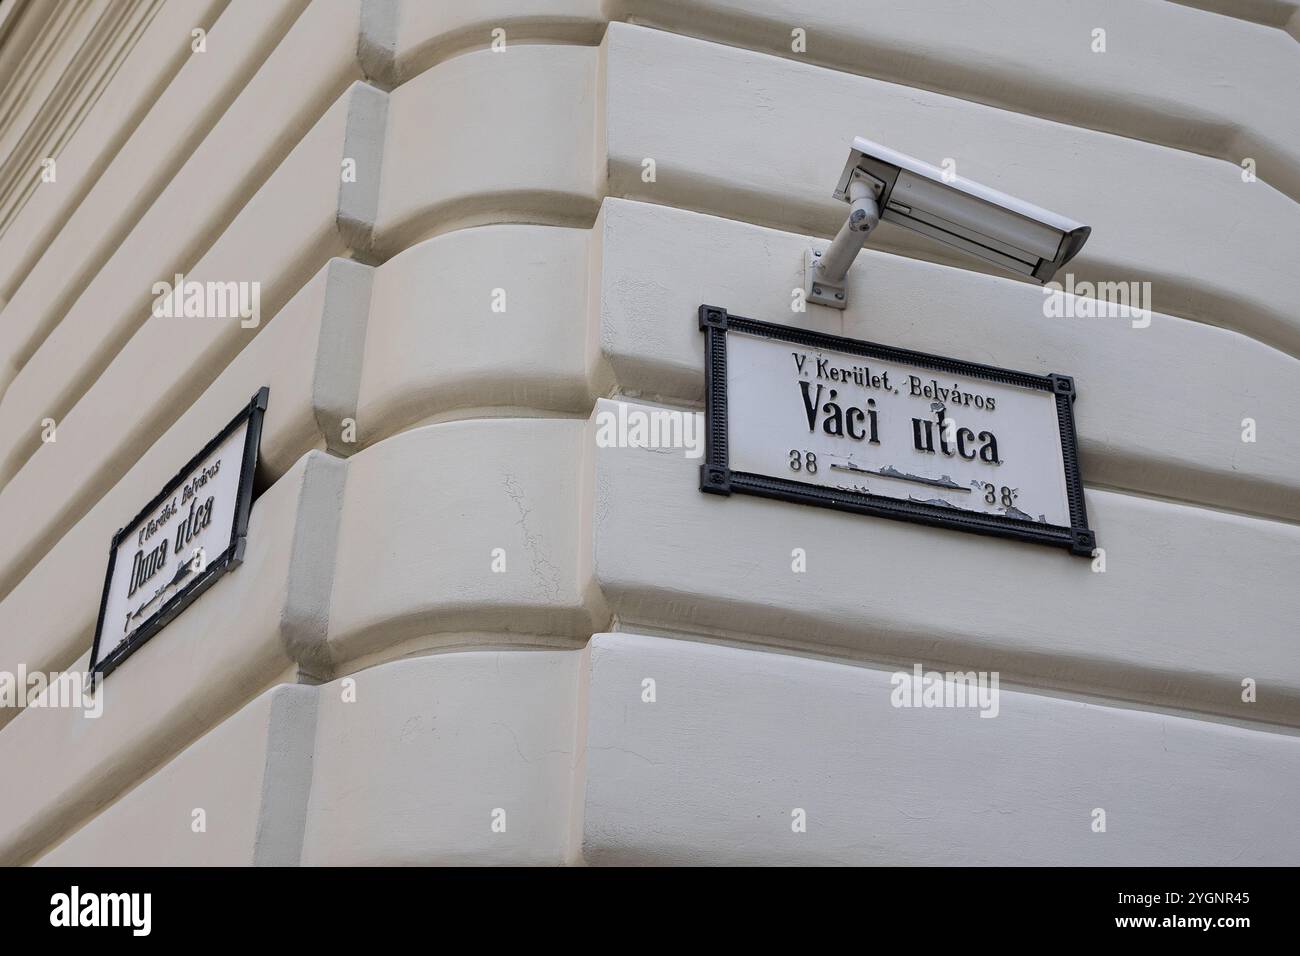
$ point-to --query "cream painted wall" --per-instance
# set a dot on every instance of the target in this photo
(304, 191)
(452, 596)
(110, 200)
(93, 137)
(737, 740)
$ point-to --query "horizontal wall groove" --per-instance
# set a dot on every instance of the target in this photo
(450, 416)
(1282, 336)
(1282, 15)
(541, 209)
(1134, 492)
(522, 208)
(1082, 693)
(520, 31)
(583, 411)
(439, 643)
(1226, 140)
(1218, 136)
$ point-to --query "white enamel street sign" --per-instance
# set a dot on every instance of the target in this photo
(823, 420)
(829, 418)
(188, 535)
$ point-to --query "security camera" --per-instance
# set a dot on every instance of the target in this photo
(881, 183)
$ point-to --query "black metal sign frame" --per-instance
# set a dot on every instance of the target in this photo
(229, 559)
(717, 478)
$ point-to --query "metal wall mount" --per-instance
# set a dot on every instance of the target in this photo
(818, 290)
(825, 271)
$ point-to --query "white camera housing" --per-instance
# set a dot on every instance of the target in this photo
(884, 184)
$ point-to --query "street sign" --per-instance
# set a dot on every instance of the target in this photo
(840, 423)
(191, 533)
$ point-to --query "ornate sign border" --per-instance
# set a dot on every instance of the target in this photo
(230, 558)
(717, 478)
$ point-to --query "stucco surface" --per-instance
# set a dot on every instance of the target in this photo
(236, 641)
(1146, 203)
(232, 774)
(514, 164)
(106, 428)
(73, 568)
(412, 769)
(286, 102)
(493, 547)
(1020, 55)
(152, 66)
(660, 264)
(1164, 623)
(452, 595)
(736, 740)
(487, 317)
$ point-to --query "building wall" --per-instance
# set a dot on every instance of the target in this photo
(367, 689)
